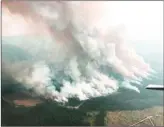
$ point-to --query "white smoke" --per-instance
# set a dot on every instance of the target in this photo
(127, 85)
(82, 38)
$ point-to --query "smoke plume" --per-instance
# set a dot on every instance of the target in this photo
(70, 44)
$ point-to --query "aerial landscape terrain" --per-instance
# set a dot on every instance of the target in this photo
(81, 63)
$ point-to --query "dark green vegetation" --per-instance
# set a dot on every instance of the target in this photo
(92, 112)
(47, 114)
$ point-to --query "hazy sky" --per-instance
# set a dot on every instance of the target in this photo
(143, 19)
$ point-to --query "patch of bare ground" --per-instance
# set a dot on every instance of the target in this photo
(132, 117)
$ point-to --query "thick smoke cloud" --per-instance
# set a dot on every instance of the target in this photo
(70, 42)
